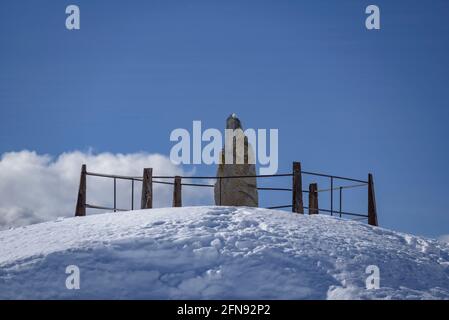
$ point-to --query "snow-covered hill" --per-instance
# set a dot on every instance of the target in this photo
(218, 253)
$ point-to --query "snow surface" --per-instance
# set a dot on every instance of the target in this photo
(218, 253)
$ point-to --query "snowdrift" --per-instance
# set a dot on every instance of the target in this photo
(218, 253)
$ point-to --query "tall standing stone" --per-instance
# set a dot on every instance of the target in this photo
(236, 191)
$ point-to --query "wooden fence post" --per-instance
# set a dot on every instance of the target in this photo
(297, 203)
(313, 198)
(372, 211)
(177, 198)
(80, 210)
(147, 189)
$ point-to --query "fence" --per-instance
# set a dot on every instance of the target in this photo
(297, 204)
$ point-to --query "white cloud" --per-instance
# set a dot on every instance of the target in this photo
(36, 188)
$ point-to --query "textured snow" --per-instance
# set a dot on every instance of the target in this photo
(218, 253)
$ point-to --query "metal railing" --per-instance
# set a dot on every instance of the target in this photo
(297, 204)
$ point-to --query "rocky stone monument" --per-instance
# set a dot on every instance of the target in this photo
(236, 159)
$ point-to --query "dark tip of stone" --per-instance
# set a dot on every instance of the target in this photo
(232, 122)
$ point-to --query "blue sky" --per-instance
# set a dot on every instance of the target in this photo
(346, 100)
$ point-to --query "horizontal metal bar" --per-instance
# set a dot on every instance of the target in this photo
(197, 185)
(280, 207)
(186, 184)
(331, 176)
(104, 208)
(343, 187)
(212, 185)
(227, 177)
(275, 189)
(163, 182)
(342, 212)
(113, 176)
